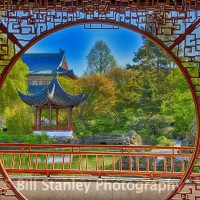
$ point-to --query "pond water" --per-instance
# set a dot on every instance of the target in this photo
(57, 159)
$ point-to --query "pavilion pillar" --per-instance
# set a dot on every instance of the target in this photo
(40, 115)
(50, 119)
(69, 111)
(36, 117)
(56, 118)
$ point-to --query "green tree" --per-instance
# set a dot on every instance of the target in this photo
(101, 94)
(148, 103)
(17, 115)
(99, 59)
(179, 105)
(151, 55)
(155, 68)
(128, 86)
(154, 65)
(16, 79)
(101, 99)
(19, 119)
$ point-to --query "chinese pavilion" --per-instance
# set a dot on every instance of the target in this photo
(53, 97)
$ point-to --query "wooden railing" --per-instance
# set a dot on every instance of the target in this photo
(99, 160)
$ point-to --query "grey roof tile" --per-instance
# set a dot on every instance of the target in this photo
(53, 94)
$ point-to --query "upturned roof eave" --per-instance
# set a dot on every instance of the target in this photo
(53, 94)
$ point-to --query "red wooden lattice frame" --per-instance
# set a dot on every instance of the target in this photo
(174, 25)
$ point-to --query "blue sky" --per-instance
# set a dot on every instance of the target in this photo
(77, 42)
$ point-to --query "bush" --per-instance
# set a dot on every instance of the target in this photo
(163, 141)
(19, 119)
(28, 138)
(147, 137)
(83, 134)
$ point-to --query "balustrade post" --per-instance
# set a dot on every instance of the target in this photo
(40, 115)
(36, 118)
(50, 120)
(56, 118)
(69, 125)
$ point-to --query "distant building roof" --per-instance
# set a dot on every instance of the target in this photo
(47, 64)
(53, 94)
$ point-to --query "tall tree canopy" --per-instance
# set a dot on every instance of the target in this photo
(99, 59)
(178, 105)
(101, 98)
(16, 79)
(165, 104)
(101, 94)
(127, 84)
(16, 114)
(150, 55)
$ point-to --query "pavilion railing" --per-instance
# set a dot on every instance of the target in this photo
(98, 160)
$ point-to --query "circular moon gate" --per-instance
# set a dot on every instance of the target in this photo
(172, 25)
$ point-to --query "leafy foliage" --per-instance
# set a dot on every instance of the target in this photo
(16, 80)
(17, 115)
(101, 98)
(27, 138)
(99, 59)
(127, 83)
(163, 141)
(179, 106)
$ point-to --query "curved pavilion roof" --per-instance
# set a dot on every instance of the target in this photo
(53, 94)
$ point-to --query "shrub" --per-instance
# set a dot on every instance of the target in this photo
(28, 138)
(147, 137)
(163, 141)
